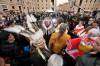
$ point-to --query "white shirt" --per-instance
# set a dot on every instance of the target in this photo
(95, 32)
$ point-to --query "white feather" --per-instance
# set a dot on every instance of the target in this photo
(16, 29)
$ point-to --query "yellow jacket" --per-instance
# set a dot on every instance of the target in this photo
(56, 44)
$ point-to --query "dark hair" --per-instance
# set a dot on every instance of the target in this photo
(95, 22)
(7, 35)
(98, 21)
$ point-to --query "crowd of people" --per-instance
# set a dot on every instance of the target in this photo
(49, 39)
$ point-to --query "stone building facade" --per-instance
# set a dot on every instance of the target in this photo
(25, 5)
(84, 5)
